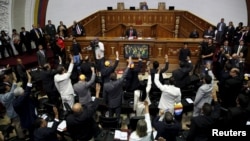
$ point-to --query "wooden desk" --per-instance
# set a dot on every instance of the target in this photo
(158, 47)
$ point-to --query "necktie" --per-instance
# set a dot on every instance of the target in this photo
(37, 34)
(242, 36)
(42, 53)
(239, 49)
(131, 33)
(78, 30)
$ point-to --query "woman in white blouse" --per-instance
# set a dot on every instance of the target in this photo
(143, 130)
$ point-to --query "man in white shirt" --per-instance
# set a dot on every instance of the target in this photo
(63, 84)
(170, 94)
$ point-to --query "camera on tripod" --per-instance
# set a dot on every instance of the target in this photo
(94, 43)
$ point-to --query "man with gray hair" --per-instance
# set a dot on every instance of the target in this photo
(24, 106)
(6, 99)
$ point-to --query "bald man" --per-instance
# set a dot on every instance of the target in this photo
(231, 88)
(82, 87)
(81, 124)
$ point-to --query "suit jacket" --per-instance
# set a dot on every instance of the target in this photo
(223, 26)
(106, 71)
(25, 38)
(154, 71)
(230, 91)
(47, 77)
(132, 80)
(34, 36)
(21, 71)
(25, 108)
(134, 33)
(41, 57)
(82, 89)
(243, 50)
(45, 133)
(168, 131)
(86, 69)
(208, 33)
(113, 91)
(194, 34)
(82, 126)
(201, 126)
(82, 30)
(50, 30)
(181, 75)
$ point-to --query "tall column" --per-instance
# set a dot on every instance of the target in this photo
(5, 12)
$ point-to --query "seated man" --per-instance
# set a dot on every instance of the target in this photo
(144, 6)
(131, 33)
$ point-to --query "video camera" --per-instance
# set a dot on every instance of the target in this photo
(94, 43)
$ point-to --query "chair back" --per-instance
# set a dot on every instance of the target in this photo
(109, 123)
(133, 122)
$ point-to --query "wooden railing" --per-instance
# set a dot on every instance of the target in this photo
(151, 23)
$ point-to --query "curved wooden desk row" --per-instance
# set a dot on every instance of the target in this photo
(158, 47)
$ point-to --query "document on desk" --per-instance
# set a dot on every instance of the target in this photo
(62, 126)
(121, 135)
(189, 100)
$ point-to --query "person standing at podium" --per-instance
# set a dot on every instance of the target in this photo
(131, 33)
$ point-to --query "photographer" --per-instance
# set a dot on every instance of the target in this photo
(98, 48)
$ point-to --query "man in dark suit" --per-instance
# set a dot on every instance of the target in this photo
(107, 69)
(86, 68)
(41, 56)
(113, 92)
(201, 126)
(181, 75)
(240, 50)
(209, 33)
(80, 124)
(50, 30)
(154, 70)
(221, 27)
(21, 72)
(132, 80)
(25, 106)
(78, 29)
(231, 88)
(169, 128)
(25, 39)
(194, 34)
(131, 33)
(47, 77)
(144, 6)
(36, 36)
(44, 133)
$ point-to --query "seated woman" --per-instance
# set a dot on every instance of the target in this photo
(143, 127)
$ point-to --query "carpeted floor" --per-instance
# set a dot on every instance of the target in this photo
(29, 60)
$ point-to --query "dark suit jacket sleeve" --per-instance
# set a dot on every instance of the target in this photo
(165, 68)
(20, 99)
(38, 58)
(156, 122)
(91, 108)
(139, 66)
(20, 72)
(115, 65)
(192, 130)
